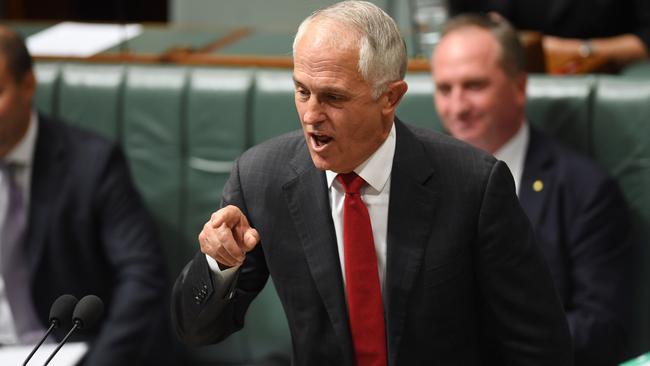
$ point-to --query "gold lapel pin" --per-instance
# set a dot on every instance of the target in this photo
(538, 185)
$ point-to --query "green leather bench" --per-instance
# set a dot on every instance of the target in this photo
(182, 127)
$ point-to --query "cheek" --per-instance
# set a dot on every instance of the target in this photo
(299, 109)
(441, 106)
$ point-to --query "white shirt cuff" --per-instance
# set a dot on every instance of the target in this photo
(225, 276)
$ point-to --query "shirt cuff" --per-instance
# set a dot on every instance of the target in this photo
(224, 277)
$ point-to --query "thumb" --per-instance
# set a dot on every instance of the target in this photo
(251, 238)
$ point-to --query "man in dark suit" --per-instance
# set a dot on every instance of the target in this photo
(73, 223)
(430, 262)
(578, 212)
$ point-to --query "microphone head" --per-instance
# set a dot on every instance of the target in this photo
(88, 311)
(61, 310)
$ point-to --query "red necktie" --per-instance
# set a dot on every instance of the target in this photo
(362, 277)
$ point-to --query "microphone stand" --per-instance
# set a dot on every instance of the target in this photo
(74, 327)
(49, 330)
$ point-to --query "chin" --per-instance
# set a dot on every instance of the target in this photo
(319, 162)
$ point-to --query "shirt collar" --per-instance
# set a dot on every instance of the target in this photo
(23, 153)
(513, 152)
(377, 168)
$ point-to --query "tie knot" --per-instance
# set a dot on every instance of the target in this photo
(351, 182)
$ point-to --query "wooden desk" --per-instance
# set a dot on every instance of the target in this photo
(163, 43)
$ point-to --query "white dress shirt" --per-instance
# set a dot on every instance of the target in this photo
(376, 172)
(513, 153)
(23, 156)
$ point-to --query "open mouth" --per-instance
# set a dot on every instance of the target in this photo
(320, 141)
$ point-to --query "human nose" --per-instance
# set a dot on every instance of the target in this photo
(313, 113)
(459, 105)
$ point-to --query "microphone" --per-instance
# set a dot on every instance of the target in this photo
(86, 314)
(60, 312)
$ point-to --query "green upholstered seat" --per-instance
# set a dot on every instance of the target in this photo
(90, 96)
(273, 108)
(217, 128)
(217, 133)
(561, 106)
(639, 70)
(153, 114)
(621, 141)
(47, 77)
(417, 106)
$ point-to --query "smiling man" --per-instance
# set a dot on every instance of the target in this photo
(578, 212)
(387, 244)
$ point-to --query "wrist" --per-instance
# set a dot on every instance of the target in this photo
(586, 48)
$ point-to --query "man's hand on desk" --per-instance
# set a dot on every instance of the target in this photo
(227, 237)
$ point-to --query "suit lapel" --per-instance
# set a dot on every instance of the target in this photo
(410, 218)
(46, 181)
(315, 229)
(537, 178)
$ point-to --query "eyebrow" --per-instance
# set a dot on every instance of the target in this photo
(324, 90)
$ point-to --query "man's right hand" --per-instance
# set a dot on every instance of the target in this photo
(228, 236)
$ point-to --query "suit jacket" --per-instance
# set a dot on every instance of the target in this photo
(580, 218)
(88, 233)
(465, 282)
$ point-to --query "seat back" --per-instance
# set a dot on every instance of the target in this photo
(562, 107)
(621, 142)
(47, 76)
(273, 109)
(153, 114)
(90, 96)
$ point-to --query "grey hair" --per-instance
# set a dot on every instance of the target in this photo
(382, 50)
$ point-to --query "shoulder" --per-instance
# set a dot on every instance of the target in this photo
(570, 163)
(81, 149)
(73, 138)
(447, 154)
(576, 173)
(275, 152)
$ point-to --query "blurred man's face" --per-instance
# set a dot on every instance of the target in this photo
(343, 124)
(475, 99)
(15, 107)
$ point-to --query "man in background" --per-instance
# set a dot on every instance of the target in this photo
(578, 212)
(71, 222)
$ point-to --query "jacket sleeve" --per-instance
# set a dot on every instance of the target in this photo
(203, 311)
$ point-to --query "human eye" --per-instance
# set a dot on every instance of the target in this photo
(302, 93)
(476, 85)
(443, 89)
(334, 98)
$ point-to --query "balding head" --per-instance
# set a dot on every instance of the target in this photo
(367, 28)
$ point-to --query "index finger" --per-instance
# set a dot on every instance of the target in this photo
(229, 215)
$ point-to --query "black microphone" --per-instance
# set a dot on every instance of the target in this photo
(86, 314)
(60, 313)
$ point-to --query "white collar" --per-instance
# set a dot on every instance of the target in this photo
(23, 153)
(513, 152)
(377, 168)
